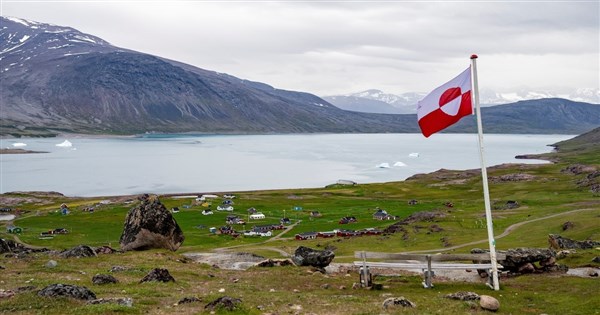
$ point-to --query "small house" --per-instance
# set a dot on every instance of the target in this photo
(326, 234)
(346, 220)
(285, 221)
(306, 236)
(234, 219)
(348, 233)
(256, 216)
(225, 208)
(315, 214)
(252, 210)
(382, 215)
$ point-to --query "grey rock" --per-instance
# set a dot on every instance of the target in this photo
(158, 274)
(304, 256)
(559, 242)
(190, 299)
(78, 252)
(397, 301)
(224, 302)
(118, 269)
(67, 290)
(489, 303)
(463, 296)
(104, 279)
(596, 259)
(51, 264)
(150, 225)
(124, 301)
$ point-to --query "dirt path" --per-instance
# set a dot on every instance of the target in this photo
(506, 232)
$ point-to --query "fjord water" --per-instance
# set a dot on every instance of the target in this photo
(195, 164)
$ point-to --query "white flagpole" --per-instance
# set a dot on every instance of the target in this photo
(486, 191)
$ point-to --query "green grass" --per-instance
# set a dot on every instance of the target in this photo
(548, 200)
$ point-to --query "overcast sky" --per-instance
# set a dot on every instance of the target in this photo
(337, 47)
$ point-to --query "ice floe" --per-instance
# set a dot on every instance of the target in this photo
(413, 155)
(65, 144)
(19, 144)
(399, 164)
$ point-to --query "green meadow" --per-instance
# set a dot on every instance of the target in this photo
(547, 199)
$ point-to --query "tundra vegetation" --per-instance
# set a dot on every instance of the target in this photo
(548, 197)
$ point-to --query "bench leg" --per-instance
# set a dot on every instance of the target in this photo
(366, 279)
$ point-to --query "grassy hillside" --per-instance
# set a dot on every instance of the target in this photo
(548, 198)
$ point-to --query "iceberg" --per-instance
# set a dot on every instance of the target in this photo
(399, 164)
(65, 144)
(19, 144)
(414, 155)
(384, 165)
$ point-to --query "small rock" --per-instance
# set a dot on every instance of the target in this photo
(593, 273)
(221, 290)
(355, 286)
(399, 301)
(563, 253)
(342, 287)
(224, 302)
(6, 293)
(104, 279)
(187, 300)
(526, 268)
(79, 252)
(26, 288)
(596, 259)
(296, 307)
(489, 303)
(272, 290)
(127, 301)
(118, 269)
(51, 264)
(158, 274)
(567, 225)
(463, 296)
(325, 286)
(296, 291)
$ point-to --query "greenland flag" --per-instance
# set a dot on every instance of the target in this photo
(446, 105)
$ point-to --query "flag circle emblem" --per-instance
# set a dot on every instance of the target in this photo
(450, 101)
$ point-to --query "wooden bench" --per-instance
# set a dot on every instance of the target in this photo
(427, 263)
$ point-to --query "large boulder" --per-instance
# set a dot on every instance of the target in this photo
(524, 260)
(305, 256)
(150, 225)
(67, 290)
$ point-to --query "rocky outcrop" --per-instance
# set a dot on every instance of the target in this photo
(525, 260)
(10, 246)
(225, 303)
(463, 296)
(104, 279)
(158, 274)
(67, 290)
(304, 256)
(275, 263)
(150, 225)
(517, 177)
(394, 302)
(591, 181)
(577, 169)
(78, 252)
(559, 242)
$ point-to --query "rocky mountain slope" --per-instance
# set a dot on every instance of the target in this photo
(57, 79)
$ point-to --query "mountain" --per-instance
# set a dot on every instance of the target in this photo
(376, 101)
(546, 116)
(57, 79)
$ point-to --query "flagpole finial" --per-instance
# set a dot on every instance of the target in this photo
(473, 56)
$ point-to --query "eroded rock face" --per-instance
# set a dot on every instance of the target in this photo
(67, 290)
(304, 256)
(150, 225)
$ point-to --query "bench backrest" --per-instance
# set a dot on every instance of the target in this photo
(423, 257)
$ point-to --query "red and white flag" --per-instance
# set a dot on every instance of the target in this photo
(446, 105)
